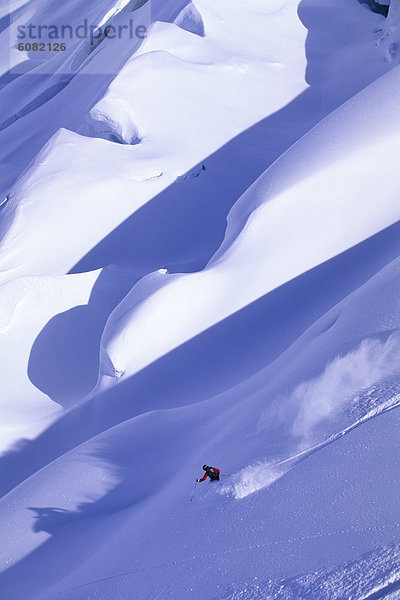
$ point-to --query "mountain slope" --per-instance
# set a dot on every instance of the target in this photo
(239, 170)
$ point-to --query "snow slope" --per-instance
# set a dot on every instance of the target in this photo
(175, 77)
(58, 316)
(308, 207)
(39, 96)
(267, 344)
(316, 508)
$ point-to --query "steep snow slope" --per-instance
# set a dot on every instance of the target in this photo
(40, 92)
(50, 329)
(312, 204)
(278, 361)
(168, 85)
(322, 457)
(177, 88)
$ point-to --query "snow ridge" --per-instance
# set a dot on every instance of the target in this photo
(199, 262)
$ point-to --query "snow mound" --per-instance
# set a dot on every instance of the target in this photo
(50, 329)
(25, 409)
(274, 358)
(310, 201)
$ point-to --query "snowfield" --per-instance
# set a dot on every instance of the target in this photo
(200, 262)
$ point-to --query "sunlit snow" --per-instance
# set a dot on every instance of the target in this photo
(200, 263)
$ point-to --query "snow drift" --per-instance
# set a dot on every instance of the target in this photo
(267, 345)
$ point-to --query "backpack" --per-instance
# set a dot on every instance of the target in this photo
(212, 473)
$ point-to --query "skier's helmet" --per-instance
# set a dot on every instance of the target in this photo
(204, 467)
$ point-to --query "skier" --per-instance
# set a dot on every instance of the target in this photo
(212, 472)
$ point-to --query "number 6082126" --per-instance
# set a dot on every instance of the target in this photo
(42, 47)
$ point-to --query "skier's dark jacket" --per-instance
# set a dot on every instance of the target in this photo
(212, 472)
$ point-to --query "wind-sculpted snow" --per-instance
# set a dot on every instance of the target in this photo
(177, 87)
(307, 208)
(39, 94)
(267, 345)
(263, 417)
(50, 330)
(164, 97)
(25, 409)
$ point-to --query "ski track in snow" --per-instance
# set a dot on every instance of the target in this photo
(173, 139)
(268, 473)
(280, 591)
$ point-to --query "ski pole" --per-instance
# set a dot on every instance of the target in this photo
(226, 474)
(194, 489)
